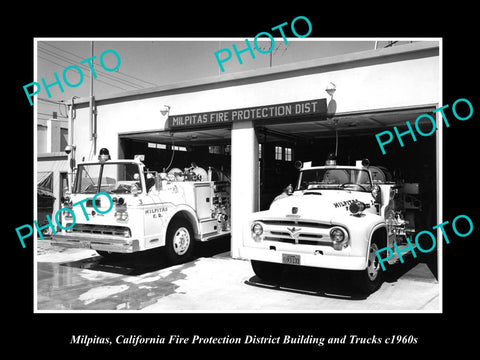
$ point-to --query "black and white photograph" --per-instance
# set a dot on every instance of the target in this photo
(291, 182)
(290, 177)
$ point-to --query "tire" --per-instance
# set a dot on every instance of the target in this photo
(369, 280)
(180, 241)
(269, 272)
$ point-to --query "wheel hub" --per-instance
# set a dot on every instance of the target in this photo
(181, 241)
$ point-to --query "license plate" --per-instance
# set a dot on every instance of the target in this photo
(291, 259)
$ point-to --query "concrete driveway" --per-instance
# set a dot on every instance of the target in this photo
(77, 279)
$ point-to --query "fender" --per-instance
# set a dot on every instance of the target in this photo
(379, 227)
(360, 227)
(187, 212)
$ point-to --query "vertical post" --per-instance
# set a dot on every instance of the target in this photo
(93, 128)
(264, 164)
(244, 187)
(70, 143)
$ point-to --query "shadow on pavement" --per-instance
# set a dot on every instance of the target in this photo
(313, 281)
(328, 282)
(146, 261)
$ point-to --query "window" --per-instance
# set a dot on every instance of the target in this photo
(157, 146)
(63, 184)
(288, 154)
(278, 153)
(41, 139)
(113, 178)
(63, 138)
(344, 179)
(216, 149)
(219, 149)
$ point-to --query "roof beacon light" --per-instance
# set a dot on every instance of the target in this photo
(103, 155)
(331, 160)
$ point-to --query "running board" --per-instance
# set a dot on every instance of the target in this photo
(214, 235)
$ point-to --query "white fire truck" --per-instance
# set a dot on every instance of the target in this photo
(336, 217)
(150, 209)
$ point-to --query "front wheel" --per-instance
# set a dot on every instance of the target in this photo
(370, 279)
(180, 242)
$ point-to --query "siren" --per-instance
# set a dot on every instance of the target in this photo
(331, 160)
(103, 155)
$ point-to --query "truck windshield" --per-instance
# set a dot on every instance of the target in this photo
(335, 178)
(113, 178)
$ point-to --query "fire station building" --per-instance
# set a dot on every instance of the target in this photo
(254, 125)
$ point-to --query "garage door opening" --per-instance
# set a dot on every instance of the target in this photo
(165, 150)
(191, 170)
(351, 138)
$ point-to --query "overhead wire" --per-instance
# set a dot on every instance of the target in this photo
(64, 58)
(63, 117)
(87, 73)
(117, 72)
(49, 104)
(84, 67)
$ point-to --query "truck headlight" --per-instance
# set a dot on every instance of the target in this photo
(121, 215)
(257, 231)
(339, 237)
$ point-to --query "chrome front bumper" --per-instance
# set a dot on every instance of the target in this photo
(318, 260)
(111, 243)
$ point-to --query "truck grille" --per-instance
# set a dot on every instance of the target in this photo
(303, 239)
(102, 230)
(296, 223)
(297, 232)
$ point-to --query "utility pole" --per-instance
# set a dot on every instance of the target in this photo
(71, 147)
(93, 125)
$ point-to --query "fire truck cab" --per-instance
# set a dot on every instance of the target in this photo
(150, 209)
(336, 217)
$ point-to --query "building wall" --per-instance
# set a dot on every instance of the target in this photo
(376, 80)
(51, 141)
(51, 135)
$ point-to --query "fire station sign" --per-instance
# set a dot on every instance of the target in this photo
(270, 113)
